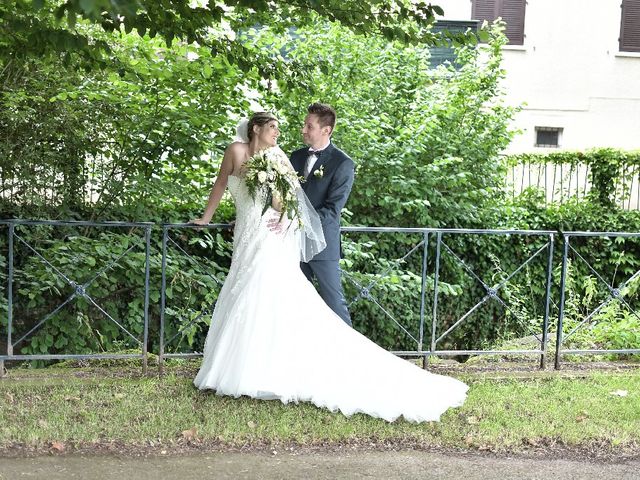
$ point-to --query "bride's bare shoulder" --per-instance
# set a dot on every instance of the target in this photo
(238, 148)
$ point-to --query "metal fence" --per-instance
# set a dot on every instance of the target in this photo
(560, 182)
(427, 342)
(169, 243)
(77, 288)
(420, 253)
(614, 295)
(492, 290)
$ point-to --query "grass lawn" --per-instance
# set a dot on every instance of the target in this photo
(597, 411)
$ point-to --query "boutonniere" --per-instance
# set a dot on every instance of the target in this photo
(319, 173)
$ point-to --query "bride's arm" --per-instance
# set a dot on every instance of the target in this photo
(226, 168)
(276, 201)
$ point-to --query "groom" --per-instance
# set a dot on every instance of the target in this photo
(329, 174)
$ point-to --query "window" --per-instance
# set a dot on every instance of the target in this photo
(630, 26)
(548, 137)
(511, 11)
(440, 55)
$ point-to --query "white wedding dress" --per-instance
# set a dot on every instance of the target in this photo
(273, 337)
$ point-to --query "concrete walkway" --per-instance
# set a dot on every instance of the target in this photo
(357, 465)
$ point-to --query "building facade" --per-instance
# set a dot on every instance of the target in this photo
(573, 66)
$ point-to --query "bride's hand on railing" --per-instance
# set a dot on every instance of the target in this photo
(199, 221)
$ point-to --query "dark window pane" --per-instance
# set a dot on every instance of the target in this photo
(548, 136)
(440, 55)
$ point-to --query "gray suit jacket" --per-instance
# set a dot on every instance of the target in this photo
(328, 193)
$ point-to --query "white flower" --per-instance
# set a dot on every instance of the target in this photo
(269, 174)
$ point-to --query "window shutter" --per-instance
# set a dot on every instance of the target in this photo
(485, 10)
(511, 11)
(630, 26)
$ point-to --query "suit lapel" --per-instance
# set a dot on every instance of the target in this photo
(298, 164)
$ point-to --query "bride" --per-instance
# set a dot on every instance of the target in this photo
(273, 337)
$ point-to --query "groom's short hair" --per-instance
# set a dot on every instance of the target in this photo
(325, 113)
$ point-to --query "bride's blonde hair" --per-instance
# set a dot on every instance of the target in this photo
(259, 119)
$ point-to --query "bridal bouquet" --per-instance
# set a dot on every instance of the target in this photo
(269, 177)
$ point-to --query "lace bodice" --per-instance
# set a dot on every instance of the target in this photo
(247, 210)
(251, 234)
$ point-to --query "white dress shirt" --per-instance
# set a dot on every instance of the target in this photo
(311, 160)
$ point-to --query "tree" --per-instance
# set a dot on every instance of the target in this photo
(34, 27)
(426, 141)
(117, 134)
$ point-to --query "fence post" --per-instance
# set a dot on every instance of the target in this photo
(145, 340)
(565, 255)
(436, 278)
(9, 298)
(165, 234)
(545, 323)
(422, 296)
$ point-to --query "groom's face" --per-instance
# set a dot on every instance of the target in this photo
(312, 133)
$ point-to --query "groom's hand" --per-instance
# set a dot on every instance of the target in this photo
(275, 224)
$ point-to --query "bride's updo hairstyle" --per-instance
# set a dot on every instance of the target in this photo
(259, 119)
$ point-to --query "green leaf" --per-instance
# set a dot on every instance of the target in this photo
(71, 20)
(88, 6)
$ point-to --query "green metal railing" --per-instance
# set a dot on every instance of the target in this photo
(420, 323)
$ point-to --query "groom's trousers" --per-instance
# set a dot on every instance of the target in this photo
(327, 274)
